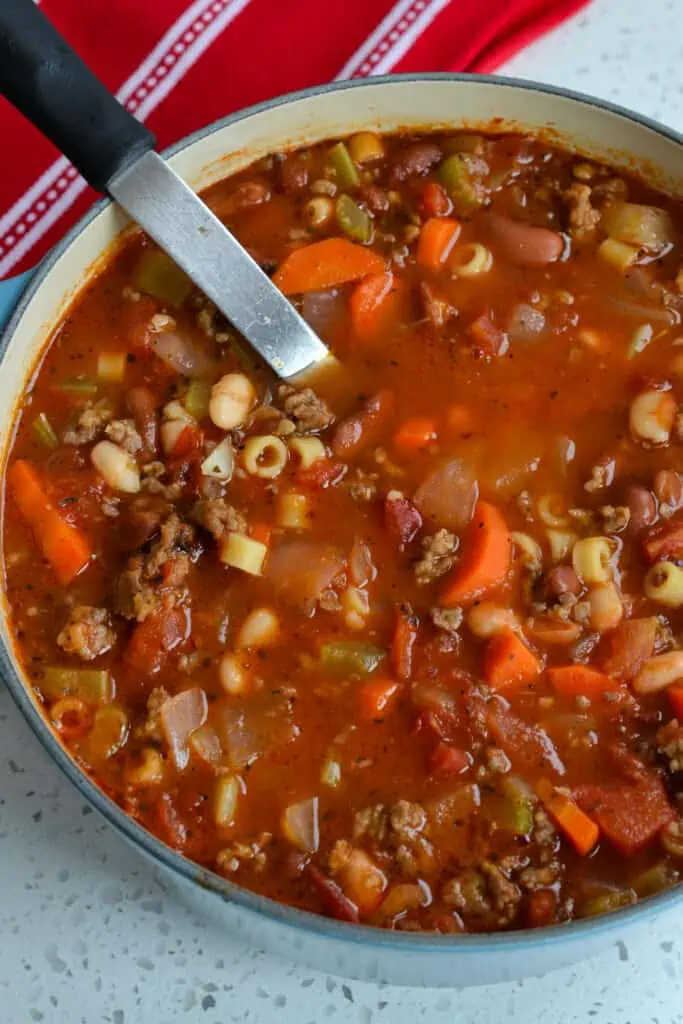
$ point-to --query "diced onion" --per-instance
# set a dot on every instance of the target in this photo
(219, 464)
(180, 716)
(331, 773)
(300, 825)
(180, 353)
(659, 672)
(561, 543)
(206, 745)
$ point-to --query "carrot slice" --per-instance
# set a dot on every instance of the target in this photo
(486, 561)
(580, 681)
(415, 433)
(575, 823)
(405, 635)
(675, 695)
(437, 238)
(375, 305)
(508, 662)
(376, 696)
(63, 545)
(325, 264)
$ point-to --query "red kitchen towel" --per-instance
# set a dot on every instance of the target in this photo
(179, 65)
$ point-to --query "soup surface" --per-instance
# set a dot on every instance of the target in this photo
(402, 647)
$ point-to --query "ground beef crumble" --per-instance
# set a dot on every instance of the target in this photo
(233, 856)
(447, 619)
(309, 413)
(218, 517)
(438, 556)
(670, 745)
(90, 423)
(398, 831)
(583, 217)
(87, 632)
(154, 580)
(124, 434)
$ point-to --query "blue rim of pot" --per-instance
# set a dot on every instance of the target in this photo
(302, 920)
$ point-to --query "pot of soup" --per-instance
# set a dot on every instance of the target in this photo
(383, 669)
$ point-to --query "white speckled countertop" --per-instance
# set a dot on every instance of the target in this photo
(87, 933)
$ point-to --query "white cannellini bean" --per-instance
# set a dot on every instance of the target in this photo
(261, 628)
(117, 467)
(232, 673)
(607, 610)
(659, 672)
(231, 400)
(486, 619)
(652, 416)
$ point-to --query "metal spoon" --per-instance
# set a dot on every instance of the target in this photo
(48, 83)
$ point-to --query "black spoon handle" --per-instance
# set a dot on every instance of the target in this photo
(51, 86)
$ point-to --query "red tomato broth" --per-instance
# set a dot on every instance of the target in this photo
(443, 787)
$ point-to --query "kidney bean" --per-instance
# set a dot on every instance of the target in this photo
(562, 580)
(642, 506)
(415, 159)
(522, 243)
(375, 198)
(143, 408)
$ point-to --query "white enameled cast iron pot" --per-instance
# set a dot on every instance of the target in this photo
(385, 104)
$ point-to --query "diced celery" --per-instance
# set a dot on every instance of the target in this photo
(461, 185)
(78, 386)
(157, 275)
(353, 219)
(517, 810)
(111, 366)
(90, 684)
(196, 399)
(607, 901)
(349, 657)
(343, 166)
(659, 876)
(44, 431)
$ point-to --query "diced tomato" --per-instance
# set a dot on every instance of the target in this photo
(489, 339)
(664, 541)
(435, 201)
(624, 650)
(189, 440)
(448, 760)
(322, 473)
(527, 745)
(401, 518)
(154, 638)
(542, 908)
(629, 815)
